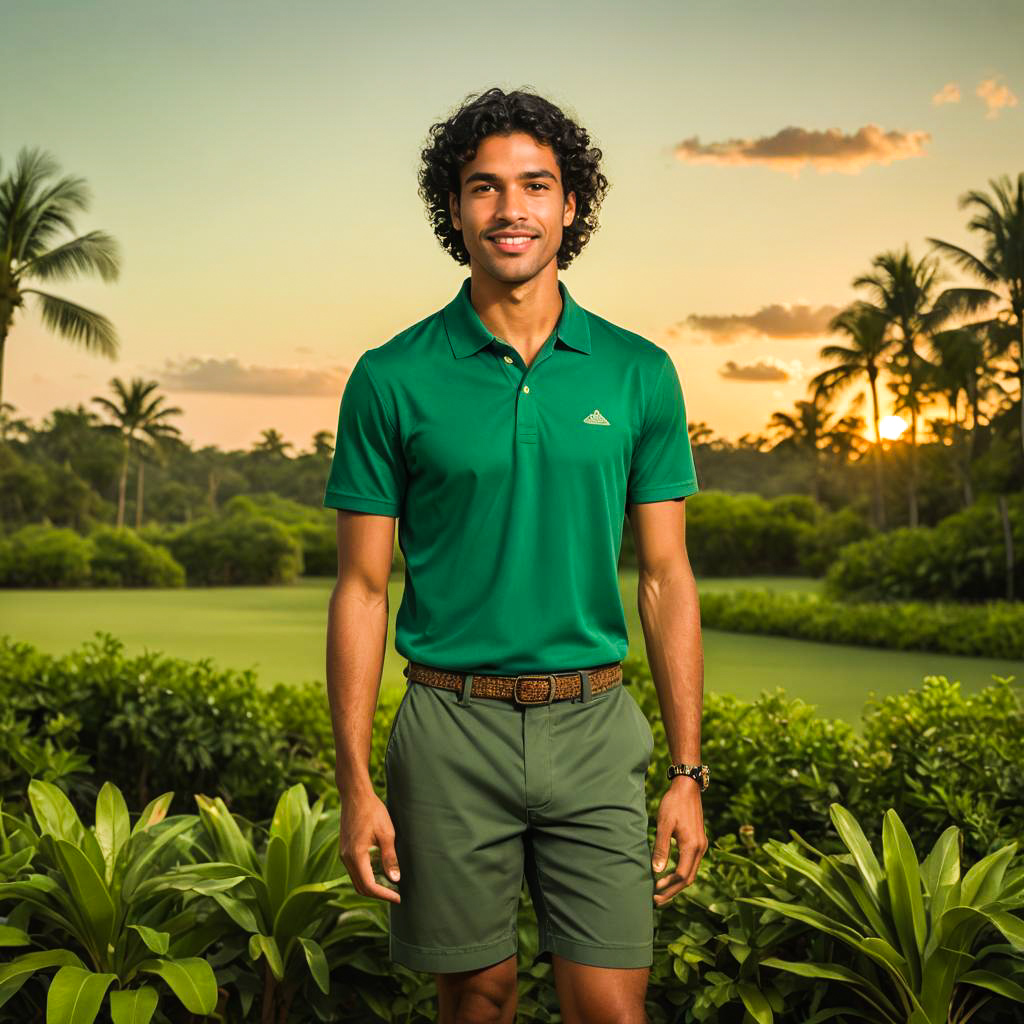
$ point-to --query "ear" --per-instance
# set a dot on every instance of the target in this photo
(453, 210)
(569, 214)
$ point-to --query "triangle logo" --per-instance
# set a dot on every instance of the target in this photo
(596, 417)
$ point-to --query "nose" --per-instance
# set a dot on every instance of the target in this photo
(511, 205)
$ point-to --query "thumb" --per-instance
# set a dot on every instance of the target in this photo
(661, 841)
(388, 857)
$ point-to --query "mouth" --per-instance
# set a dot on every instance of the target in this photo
(511, 242)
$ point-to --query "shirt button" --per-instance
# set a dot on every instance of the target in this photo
(508, 359)
(526, 389)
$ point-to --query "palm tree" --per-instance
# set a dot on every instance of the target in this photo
(904, 293)
(140, 418)
(964, 360)
(866, 328)
(272, 442)
(323, 446)
(1000, 221)
(807, 431)
(32, 212)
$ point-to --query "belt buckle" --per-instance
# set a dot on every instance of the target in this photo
(549, 676)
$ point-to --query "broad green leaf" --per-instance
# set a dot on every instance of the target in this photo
(317, 963)
(982, 883)
(54, 812)
(191, 979)
(89, 892)
(904, 882)
(75, 995)
(265, 945)
(942, 865)
(154, 812)
(756, 1004)
(224, 830)
(995, 983)
(133, 1006)
(275, 872)
(829, 972)
(856, 842)
(238, 910)
(1011, 926)
(301, 906)
(27, 965)
(11, 936)
(112, 824)
(156, 941)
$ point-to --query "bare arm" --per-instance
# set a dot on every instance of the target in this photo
(357, 626)
(670, 616)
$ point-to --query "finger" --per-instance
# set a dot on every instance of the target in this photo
(669, 894)
(388, 856)
(661, 847)
(366, 882)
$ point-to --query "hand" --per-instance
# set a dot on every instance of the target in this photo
(680, 817)
(366, 827)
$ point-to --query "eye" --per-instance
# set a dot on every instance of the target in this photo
(537, 184)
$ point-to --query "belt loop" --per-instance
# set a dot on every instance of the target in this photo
(584, 685)
(467, 687)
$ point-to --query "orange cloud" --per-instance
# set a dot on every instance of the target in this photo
(793, 148)
(995, 96)
(949, 93)
(762, 370)
(778, 320)
(229, 376)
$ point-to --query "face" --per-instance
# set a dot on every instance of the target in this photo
(512, 187)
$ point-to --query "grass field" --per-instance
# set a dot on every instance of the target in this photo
(279, 632)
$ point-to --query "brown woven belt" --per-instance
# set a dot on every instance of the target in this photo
(528, 688)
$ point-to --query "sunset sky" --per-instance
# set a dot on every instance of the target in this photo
(257, 164)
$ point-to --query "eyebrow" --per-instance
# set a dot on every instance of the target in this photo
(487, 176)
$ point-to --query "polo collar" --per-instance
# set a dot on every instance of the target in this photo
(467, 333)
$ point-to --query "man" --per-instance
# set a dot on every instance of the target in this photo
(509, 434)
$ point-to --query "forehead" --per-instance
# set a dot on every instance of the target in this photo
(510, 154)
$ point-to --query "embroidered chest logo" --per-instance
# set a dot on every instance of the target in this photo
(596, 417)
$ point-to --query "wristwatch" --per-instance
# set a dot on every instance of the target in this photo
(700, 772)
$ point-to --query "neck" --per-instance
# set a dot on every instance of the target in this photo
(521, 313)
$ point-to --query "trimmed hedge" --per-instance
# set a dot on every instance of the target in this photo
(991, 630)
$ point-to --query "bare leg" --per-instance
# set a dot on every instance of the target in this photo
(600, 995)
(486, 995)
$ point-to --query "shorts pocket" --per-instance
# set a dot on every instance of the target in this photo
(646, 732)
(396, 718)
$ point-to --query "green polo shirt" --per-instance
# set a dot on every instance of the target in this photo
(510, 483)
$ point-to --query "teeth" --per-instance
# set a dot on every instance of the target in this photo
(516, 240)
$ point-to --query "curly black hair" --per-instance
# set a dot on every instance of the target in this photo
(453, 143)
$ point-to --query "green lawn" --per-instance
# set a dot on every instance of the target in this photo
(279, 631)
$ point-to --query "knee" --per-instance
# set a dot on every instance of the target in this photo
(490, 1007)
(480, 998)
(618, 1011)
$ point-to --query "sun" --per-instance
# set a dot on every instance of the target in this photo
(891, 427)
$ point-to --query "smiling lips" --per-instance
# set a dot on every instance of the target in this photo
(512, 243)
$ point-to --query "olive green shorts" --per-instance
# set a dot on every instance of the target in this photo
(483, 792)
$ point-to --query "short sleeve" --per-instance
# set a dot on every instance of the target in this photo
(368, 468)
(662, 465)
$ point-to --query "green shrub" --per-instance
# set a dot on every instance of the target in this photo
(45, 556)
(963, 558)
(122, 559)
(991, 630)
(749, 535)
(239, 548)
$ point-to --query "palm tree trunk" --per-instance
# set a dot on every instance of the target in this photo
(138, 495)
(122, 487)
(912, 492)
(3, 419)
(879, 501)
